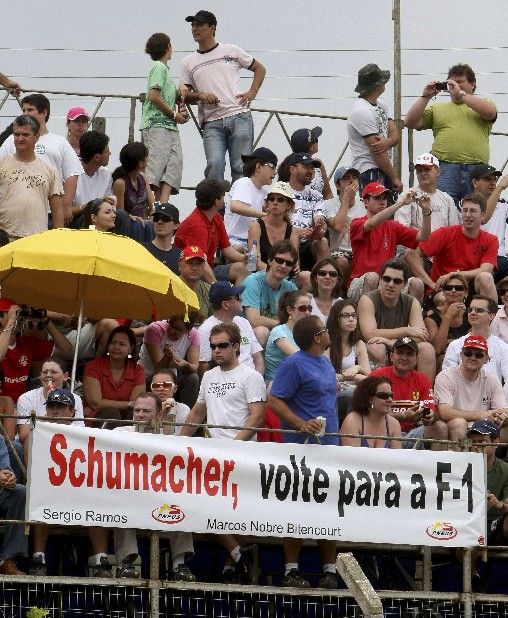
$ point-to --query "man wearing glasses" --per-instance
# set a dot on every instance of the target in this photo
(480, 314)
(263, 289)
(388, 313)
(165, 221)
(465, 249)
(231, 395)
(304, 389)
(468, 393)
(225, 300)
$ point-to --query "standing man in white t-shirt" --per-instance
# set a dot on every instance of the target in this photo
(213, 75)
(246, 198)
(231, 394)
(486, 181)
(52, 147)
(371, 131)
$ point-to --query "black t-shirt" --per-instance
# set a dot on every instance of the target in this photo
(168, 258)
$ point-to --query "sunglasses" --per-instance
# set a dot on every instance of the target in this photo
(282, 261)
(503, 291)
(270, 165)
(328, 273)
(222, 346)
(457, 287)
(233, 298)
(477, 310)
(279, 200)
(157, 385)
(396, 280)
(321, 332)
(346, 316)
(304, 308)
(384, 395)
(470, 353)
(157, 218)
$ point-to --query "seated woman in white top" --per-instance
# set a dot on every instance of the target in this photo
(348, 352)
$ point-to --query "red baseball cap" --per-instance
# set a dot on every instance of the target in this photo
(191, 252)
(476, 341)
(6, 304)
(374, 188)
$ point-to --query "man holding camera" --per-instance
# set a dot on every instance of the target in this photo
(461, 128)
(413, 400)
(443, 209)
(19, 351)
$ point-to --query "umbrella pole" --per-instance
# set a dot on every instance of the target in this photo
(76, 349)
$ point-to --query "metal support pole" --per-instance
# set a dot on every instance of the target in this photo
(466, 575)
(154, 575)
(410, 154)
(397, 86)
(427, 568)
(263, 129)
(132, 119)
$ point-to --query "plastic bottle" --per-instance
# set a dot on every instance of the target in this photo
(252, 259)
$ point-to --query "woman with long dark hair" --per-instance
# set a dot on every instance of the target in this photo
(326, 284)
(371, 406)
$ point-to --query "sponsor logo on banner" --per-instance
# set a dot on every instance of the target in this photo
(168, 514)
(442, 531)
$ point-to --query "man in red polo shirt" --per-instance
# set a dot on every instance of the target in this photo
(374, 237)
(465, 249)
(204, 227)
(413, 402)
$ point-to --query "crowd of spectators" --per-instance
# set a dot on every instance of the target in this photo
(367, 319)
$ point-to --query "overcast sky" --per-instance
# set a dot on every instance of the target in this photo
(312, 52)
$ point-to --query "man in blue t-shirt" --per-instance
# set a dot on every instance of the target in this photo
(303, 389)
(263, 289)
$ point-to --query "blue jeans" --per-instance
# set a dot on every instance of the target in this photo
(455, 179)
(12, 506)
(234, 134)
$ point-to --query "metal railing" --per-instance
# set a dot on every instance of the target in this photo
(277, 116)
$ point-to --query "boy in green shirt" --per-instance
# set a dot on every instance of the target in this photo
(159, 121)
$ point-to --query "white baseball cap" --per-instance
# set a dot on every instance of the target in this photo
(427, 159)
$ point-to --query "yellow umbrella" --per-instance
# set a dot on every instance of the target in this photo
(104, 274)
(91, 273)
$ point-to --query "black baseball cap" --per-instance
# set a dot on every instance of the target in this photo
(265, 154)
(484, 171)
(61, 396)
(302, 157)
(303, 138)
(203, 17)
(167, 210)
(405, 341)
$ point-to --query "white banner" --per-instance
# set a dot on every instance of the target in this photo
(95, 477)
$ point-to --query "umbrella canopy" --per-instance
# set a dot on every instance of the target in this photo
(107, 275)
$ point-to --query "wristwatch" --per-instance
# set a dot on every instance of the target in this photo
(462, 94)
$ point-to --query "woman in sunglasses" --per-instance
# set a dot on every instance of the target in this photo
(292, 307)
(326, 284)
(371, 405)
(448, 321)
(276, 225)
(348, 352)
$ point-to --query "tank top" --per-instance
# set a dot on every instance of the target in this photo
(135, 199)
(264, 243)
(348, 361)
(391, 317)
(364, 441)
(454, 332)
